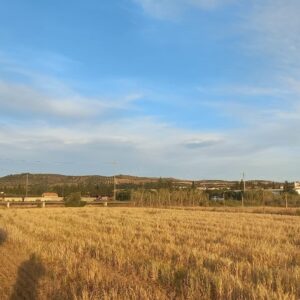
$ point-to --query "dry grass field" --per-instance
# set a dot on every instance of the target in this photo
(139, 253)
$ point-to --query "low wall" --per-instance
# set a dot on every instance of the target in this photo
(88, 199)
(32, 199)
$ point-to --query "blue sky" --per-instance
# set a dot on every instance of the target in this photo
(181, 88)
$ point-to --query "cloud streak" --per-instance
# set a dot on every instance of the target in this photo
(170, 9)
(29, 101)
(274, 29)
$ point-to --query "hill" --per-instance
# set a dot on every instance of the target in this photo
(97, 185)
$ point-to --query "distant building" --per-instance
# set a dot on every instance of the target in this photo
(217, 198)
(201, 188)
(297, 187)
(50, 195)
(275, 191)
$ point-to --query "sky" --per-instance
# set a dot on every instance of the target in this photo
(195, 89)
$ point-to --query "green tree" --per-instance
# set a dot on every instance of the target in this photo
(74, 200)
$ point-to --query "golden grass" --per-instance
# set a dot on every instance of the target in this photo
(139, 253)
(290, 211)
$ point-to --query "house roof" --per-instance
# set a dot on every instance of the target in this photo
(47, 194)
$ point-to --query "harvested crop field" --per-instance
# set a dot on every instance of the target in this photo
(139, 253)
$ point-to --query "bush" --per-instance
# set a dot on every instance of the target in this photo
(124, 196)
(74, 200)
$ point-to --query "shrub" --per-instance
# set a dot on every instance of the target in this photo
(74, 200)
(124, 195)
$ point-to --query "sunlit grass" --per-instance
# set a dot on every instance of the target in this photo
(139, 253)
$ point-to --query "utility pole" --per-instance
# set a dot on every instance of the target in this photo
(26, 188)
(263, 198)
(115, 188)
(286, 200)
(244, 189)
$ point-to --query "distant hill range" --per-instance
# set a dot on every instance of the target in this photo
(57, 179)
(48, 181)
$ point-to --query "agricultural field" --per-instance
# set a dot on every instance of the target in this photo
(146, 253)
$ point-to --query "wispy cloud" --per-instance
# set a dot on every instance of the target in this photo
(204, 143)
(244, 90)
(29, 101)
(170, 9)
(38, 94)
(274, 29)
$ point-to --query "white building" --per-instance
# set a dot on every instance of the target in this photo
(297, 187)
